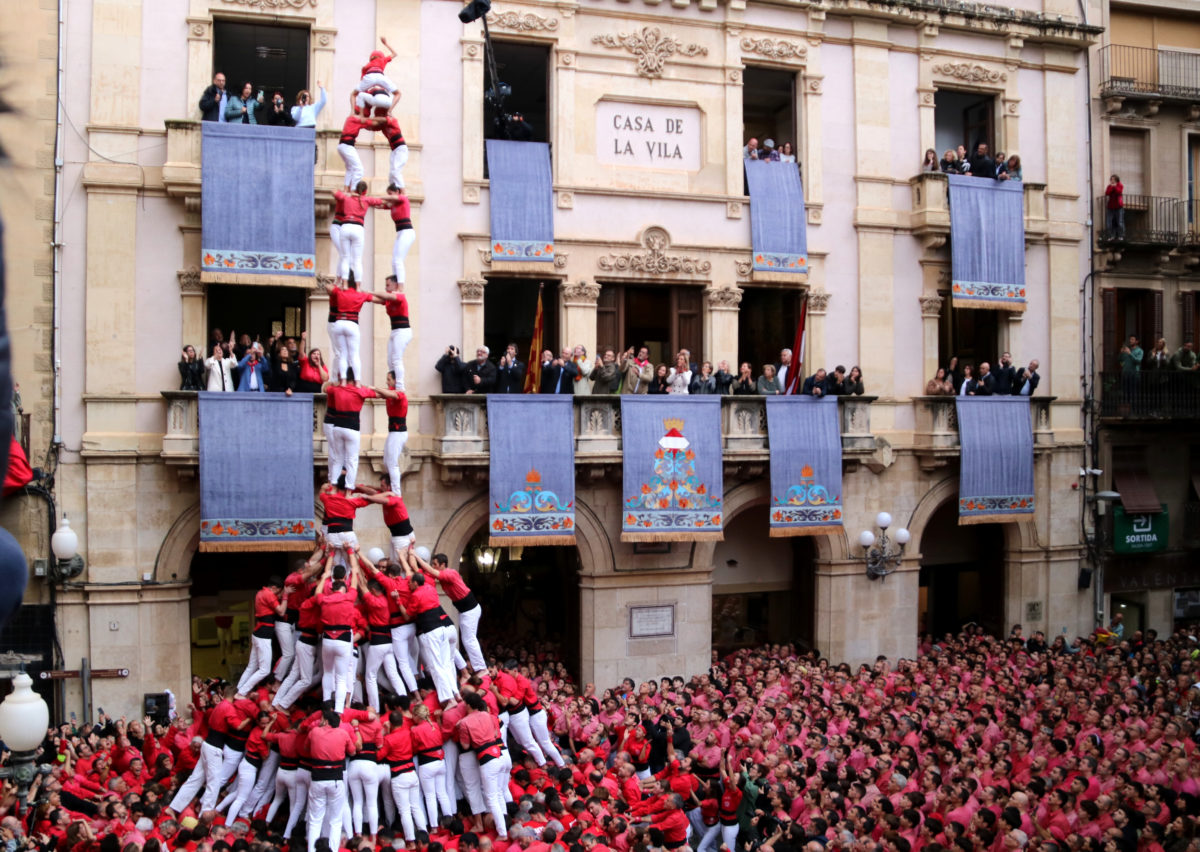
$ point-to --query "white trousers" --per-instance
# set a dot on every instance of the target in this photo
(285, 788)
(492, 775)
(285, 632)
(325, 797)
(407, 796)
(206, 774)
(433, 787)
(344, 336)
(337, 657)
(305, 671)
(381, 656)
(393, 449)
(352, 254)
(468, 629)
(435, 653)
(300, 802)
(258, 666)
(452, 647)
(264, 788)
(363, 780)
(376, 79)
(541, 733)
(468, 767)
(451, 750)
(398, 341)
(343, 445)
(354, 167)
(369, 102)
(396, 163)
(405, 237)
(247, 775)
(335, 239)
(404, 647)
(383, 774)
(230, 761)
(518, 723)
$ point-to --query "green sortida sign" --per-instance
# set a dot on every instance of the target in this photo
(1139, 533)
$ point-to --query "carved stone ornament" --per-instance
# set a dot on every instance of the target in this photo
(189, 280)
(526, 22)
(745, 268)
(472, 289)
(560, 260)
(582, 291)
(655, 261)
(324, 282)
(324, 39)
(199, 30)
(725, 297)
(485, 257)
(651, 48)
(943, 278)
(273, 4)
(931, 305)
(818, 301)
(772, 49)
(969, 72)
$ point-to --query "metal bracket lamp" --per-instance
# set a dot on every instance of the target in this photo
(878, 553)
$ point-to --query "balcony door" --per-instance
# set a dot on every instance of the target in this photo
(273, 58)
(664, 319)
(1129, 311)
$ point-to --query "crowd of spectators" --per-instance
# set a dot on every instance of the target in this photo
(966, 380)
(979, 164)
(247, 107)
(284, 364)
(1132, 359)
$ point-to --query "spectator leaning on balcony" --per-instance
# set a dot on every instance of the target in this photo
(815, 384)
(982, 165)
(1004, 374)
(1185, 358)
(451, 366)
(605, 376)
(751, 151)
(964, 162)
(214, 100)
(313, 372)
(930, 163)
(939, 385)
(480, 374)
(786, 154)
(950, 163)
(1013, 167)
(704, 382)
(1159, 357)
(1027, 380)
(244, 109)
(744, 384)
(220, 368)
(510, 372)
(278, 114)
(305, 112)
(984, 384)
(254, 370)
(783, 368)
(768, 152)
(724, 379)
(558, 374)
(1114, 208)
(285, 373)
(191, 370)
(679, 378)
(636, 371)
(768, 382)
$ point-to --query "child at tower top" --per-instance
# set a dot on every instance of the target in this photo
(376, 93)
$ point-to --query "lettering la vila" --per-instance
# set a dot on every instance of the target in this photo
(656, 150)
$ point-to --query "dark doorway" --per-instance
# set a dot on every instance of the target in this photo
(663, 319)
(528, 594)
(766, 324)
(970, 334)
(272, 58)
(963, 118)
(222, 605)
(509, 315)
(769, 107)
(962, 575)
(1130, 311)
(257, 311)
(525, 68)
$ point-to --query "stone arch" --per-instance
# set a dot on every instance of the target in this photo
(173, 564)
(1019, 536)
(595, 550)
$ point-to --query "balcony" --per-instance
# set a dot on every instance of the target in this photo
(936, 438)
(930, 218)
(1147, 73)
(1151, 221)
(181, 443)
(1149, 396)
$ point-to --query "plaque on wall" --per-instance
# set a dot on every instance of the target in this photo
(649, 622)
(649, 136)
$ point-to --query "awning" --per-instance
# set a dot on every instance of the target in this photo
(1138, 496)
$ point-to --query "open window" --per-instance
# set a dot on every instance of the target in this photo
(523, 69)
(509, 315)
(664, 319)
(1130, 312)
(767, 320)
(272, 58)
(769, 107)
(256, 311)
(964, 118)
(970, 334)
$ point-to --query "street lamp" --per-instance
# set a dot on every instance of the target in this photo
(24, 719)
(65, 544)
(880, 558)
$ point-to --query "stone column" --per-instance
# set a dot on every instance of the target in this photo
(579, 314)
(472, 112)
(195, 325)
(733, 141)
(322, 69)
(199, 65)
(812, 167)
(472, 312)
(931, 312)
(926, 91)
(885, 611)
(814, 330)
(721, 323)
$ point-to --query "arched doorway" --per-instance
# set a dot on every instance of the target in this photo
(962, 574)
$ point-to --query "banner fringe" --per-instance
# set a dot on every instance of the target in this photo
(991, 304)
(1008, 518)
(672, 536)
(531, 540)
(254, 546)
(791, 532)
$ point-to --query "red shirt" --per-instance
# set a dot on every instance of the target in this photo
(478, 728)
(377, 612)
(368, 729)
(397, 412)
(427, 740)
(397, 750)
(355, 206)
(301, 591)
(397, 310)
(265, 605)
(377, 61)
(310, 615)
(346, 303)
(350, 128)
(422, 599)
(310, 373)
(394, 511)
(402, 213)
(674, 825)
(452, 584)
(339, 507)
(330, 744)
(337, 608)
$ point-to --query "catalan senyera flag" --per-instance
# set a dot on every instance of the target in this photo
(795, 377)
(533, 374)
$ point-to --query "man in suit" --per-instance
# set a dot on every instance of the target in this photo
(558, 374)
(814, 385)
(1027, 380)
(982, 165)
(510, 372)
(984, 384)
(783, 370)
(480, 375)
(214, 100)
(452, 368)
(1005, 375)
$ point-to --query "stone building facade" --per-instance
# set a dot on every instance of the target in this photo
(654, 248)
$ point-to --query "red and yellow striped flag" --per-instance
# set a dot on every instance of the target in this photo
(533, 372)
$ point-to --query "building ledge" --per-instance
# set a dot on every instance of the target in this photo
(930, 216)
(936, 438)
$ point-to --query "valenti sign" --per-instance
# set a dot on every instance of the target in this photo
(1139, 533)
(648, 136)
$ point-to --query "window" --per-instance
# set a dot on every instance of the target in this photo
(509, 314)
(662, 318)
(1193, 187)
(766, 323)
(525, 69)
(963, 118)
(1130, 311)
(1127, 157)
(256, 311)
(272, 58)
(769, 107)
(970, 334)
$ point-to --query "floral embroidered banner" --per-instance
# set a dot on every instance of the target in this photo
(531, 469)
(521, 196)
(987, 243)
(673, 486)
(806, 465)
(256, 201)
(995, 482)
(778, 227)
(256, 471)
